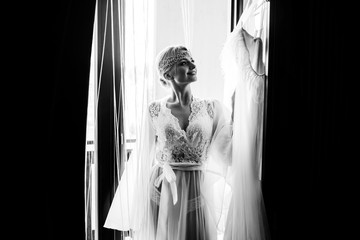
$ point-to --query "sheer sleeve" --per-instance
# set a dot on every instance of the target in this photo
(222, 134)
(130, 205)
(216, 190)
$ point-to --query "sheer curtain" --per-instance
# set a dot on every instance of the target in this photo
(187, 11)
(122, 77)
(105, 116)
(138, 60)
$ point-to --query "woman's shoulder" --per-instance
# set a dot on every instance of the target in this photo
(155, 106)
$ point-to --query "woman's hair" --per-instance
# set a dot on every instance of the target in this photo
(167, 58)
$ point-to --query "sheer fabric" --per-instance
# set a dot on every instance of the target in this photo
(130, 205)
(246, 217)
(182, 192)
(201, 182)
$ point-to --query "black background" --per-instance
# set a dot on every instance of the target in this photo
(309, 139)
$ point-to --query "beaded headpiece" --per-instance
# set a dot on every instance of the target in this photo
(169, 57)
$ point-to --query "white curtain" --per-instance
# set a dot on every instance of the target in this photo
(139, 91)
(138, 61)
(187, 10)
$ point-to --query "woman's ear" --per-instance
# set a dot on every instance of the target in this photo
(168, 76)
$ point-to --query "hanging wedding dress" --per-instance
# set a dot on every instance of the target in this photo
(246, 217)
(198, 183)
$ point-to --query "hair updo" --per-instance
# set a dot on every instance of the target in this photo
(167, 58)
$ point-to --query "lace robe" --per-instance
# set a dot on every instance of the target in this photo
(173, 198)
(178, 203)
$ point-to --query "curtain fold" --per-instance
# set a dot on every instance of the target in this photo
(110, 152)
(187, 10)
(124, 59)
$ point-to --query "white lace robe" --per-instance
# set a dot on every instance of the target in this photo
(187, 176)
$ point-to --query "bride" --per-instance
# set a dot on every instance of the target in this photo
(193, 176)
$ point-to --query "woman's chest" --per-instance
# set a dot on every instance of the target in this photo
(193, 126)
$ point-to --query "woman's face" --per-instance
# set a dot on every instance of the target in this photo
(184, 71)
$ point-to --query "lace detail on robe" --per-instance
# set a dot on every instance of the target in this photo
(154, 109)
(176, 145)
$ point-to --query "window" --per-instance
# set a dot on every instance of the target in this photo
(121, 62)
(90, 161)
(122, 71)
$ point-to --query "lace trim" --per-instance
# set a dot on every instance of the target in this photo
(193, 111)
(195, 107)
(154, 109)
(210, 109)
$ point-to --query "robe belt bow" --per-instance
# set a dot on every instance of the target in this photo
(169, 174)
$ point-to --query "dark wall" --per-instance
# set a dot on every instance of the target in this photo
(53, 47)
(309, 135)
(67, 126)
(308, 132)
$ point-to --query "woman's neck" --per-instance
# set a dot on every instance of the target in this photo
(181, 96)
